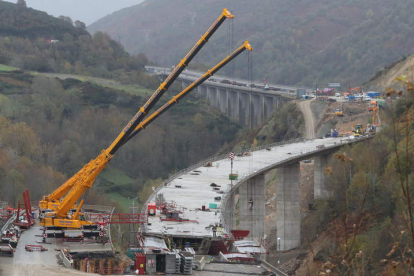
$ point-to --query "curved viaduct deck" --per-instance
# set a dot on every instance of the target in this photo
(190, 189)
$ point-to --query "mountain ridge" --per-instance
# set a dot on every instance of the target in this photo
(295, 42)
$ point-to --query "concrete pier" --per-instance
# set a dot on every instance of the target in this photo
(252, 206)
(320, 178)
(229, 215)
(288, 219)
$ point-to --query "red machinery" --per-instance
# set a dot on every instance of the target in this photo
(32, 248)
(27, 207)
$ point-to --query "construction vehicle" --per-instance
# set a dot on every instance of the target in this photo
(372, 105)
(340, 111)
(355, 90)
(59, 209)
(358, 131)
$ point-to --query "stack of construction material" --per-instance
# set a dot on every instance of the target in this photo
(186, 262)
(170, 263)
(177, 261)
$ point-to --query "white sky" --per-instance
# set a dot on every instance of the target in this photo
(87, 11)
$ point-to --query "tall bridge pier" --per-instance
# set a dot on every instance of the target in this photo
(249, 108)
(288, 217)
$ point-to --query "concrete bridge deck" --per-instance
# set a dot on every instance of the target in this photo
(191, 188)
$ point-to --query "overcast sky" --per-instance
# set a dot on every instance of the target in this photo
(87, 11)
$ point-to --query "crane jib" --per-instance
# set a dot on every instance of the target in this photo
(70, 192)
(187, 90)
(128, 129)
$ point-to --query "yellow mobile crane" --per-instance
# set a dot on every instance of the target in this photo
(56, 206)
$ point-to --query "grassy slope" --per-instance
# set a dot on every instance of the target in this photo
(133, 89)
(6, 68)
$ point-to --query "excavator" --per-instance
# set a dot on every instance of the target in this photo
(340, 111)
(59, 210)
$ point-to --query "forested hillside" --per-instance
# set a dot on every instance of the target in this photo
(33, 40)
(295, 42)
(50, 128)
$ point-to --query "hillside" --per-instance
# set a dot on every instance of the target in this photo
(29, 23)
(295, 42)
(366, 226)
(49, 128)
(386, 77)
(34, 40)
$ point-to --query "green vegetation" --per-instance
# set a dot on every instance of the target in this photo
(6, 68)
(295, 42)
(33, 40)
(51, 128)
(17, 20)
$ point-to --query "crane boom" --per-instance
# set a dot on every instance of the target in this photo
(190, 88)
(168, 81)
(52, 200)
(86, 182)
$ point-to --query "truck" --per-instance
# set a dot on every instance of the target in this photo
(373, 94)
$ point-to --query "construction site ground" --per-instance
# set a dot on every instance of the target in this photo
(354, 113)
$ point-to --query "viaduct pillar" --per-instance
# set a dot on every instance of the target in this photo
(229, 216)
(252, 206)
(319, 177)
(288, 220)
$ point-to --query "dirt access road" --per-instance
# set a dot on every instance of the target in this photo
(310, 120)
